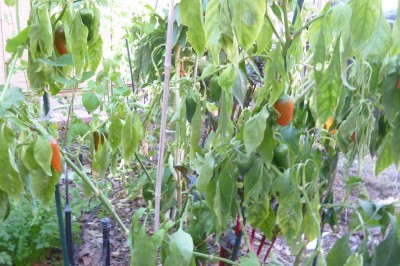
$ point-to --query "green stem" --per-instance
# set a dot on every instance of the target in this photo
(143, 167)
(348, 207)
(60, 16)
(17, 16)
(276, 170)
(246, 236)
(211, 73)
(214, 258)
(286, 21)
(274, 29)
(307, 24)
(106, 202)
(17, 54)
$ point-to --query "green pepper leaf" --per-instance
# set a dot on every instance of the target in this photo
(254, 130)
(192, 16)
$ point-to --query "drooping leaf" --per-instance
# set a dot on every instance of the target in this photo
(95, 53)
(380, 41)
(364, 20)
(101, 158)
(10, 180)
(127, 138)
(239, 90)
(341, 16)
(43, 154)
(289, 216)
(90, 101)
(250, 259)
(327, 93)
(115, 130)
(387, 252)
(77, 128)
(213, 32)
(248, 17)
(253, 182)
(275, 76)
(395, 49)
(40, 32)
(355, 260)
(311, 228)
(265, 36)
(181, 249)
(391, 95)
(385, 155)
(221, 196)
(196, 127)
(206, 172)
(267, 145)
(254, 130)
(13, 97)
(396, 141)
(21, 39)
(340, 252)
(43, 185)
(143, 250)
(64, 60)
(76, 35)
(4, 206)
(191, 15)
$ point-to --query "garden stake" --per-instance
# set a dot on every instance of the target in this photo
(130, 66)
(270, 248)
(262, 242)
(57, 195)
(105, 223)
(68, 227)
(164, 114)
(238, 233)
(61, 226)
(253, 232)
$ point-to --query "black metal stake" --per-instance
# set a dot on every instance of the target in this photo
(130, 65)
(68, 226)
(57, 194)
(105, 223)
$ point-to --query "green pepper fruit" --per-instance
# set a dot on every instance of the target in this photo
(281, 156)
(191, 105)
(87, 16)
(215, 89)
(244, 162)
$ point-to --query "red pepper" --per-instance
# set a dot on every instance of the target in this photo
(56, 159)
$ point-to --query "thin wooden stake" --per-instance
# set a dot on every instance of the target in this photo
(160, 163)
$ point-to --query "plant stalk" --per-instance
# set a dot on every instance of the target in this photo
(17, 54)
(106, 202)
(214, 258)
(178, 150)
(17, 16)
(160, 163)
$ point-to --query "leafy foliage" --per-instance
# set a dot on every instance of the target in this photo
(227, 154)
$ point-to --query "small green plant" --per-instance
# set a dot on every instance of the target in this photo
(30, 233)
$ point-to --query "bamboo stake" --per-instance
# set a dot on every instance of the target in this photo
(160, 163)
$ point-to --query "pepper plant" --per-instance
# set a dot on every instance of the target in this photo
(264, 96)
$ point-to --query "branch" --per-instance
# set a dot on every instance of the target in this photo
(17, 54)
(214, 258)
(305, 91)
(106, 202)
